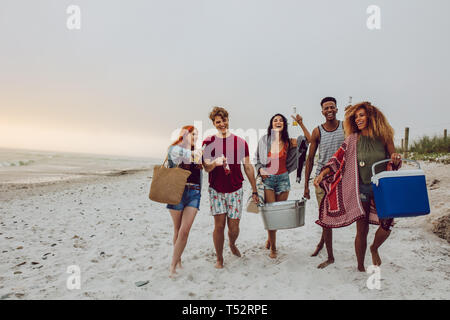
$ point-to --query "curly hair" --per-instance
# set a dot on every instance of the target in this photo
(378, 126)
(218, 111)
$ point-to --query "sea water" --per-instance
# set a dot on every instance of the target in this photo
(34, 166)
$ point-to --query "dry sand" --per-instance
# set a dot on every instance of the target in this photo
(109, 228)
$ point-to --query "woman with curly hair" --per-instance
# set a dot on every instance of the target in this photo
(346, 178)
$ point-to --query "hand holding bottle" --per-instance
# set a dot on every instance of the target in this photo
(226, 166)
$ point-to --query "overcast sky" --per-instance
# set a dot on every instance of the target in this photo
(137, 70)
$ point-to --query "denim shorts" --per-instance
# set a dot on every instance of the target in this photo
(365, 192)
(191, 198)
(279, 183)
(366, 195)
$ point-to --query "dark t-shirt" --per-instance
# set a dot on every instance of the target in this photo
(195, 172)
(235, 149)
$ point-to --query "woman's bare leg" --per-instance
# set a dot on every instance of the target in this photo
(362, 229)
(187, 219)
(269, 197)
(273, 233)
(380, 237)
(176, 218)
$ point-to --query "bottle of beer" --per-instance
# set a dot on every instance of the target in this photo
(294, 110)
(226, 167)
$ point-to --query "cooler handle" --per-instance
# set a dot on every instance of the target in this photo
(387, 160)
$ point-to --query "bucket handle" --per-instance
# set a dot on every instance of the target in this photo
(303, 200)
(387, 160)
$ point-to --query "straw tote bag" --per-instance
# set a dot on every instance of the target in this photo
(168, 184)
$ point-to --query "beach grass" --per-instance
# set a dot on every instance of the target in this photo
(436, 148)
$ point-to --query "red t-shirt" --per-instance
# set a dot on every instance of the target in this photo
(235, 149)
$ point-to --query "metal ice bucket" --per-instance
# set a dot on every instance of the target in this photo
(283, 214)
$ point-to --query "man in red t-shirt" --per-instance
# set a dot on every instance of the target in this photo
(223, 154)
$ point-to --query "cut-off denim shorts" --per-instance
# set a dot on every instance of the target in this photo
(365, 192)
(191, 198)
(366, 195)
(279, 183)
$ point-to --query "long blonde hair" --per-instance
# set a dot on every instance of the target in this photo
(377, 124)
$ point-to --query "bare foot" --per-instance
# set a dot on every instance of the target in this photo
(219, 264)
(318, 249)
(326, 263)
(234, 250)
(173, 273)
(273, 254)
(376, 260)
(267, 244)
(361, 269)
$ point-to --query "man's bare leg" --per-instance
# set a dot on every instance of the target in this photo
(319, 246)
(219, 238)
(233, 233)
(328, 238)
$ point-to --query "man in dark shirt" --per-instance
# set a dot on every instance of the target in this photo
(222, 157)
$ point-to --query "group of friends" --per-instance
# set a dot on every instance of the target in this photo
(347, 149)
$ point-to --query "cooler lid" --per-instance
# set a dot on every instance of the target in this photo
(399, 173)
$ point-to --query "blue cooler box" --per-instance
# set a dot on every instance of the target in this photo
(401, 193)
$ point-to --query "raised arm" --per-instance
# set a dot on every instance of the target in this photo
(310, 160)
(299, 120)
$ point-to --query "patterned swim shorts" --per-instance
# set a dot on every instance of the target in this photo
(229, 203)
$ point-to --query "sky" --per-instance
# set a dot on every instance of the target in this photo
(137, 70)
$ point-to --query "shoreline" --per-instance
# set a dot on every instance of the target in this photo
(11, 191)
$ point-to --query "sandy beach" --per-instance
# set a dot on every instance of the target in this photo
(106, 225)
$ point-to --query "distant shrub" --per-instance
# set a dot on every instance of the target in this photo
(431, 145)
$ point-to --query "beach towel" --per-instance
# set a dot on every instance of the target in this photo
(341, 205)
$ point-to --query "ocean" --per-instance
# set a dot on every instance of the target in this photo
(34, 166)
